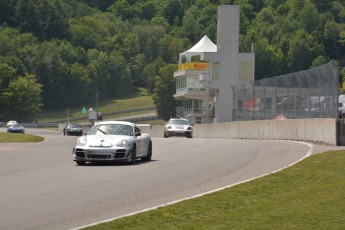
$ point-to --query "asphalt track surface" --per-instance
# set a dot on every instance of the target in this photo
(42, 188)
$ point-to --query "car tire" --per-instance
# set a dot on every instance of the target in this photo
(165, 135)
(149, 153)
(80, 163)
(133, 154)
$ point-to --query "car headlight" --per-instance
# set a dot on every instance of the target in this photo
(122, 143)
(81, 142)
(169, 127)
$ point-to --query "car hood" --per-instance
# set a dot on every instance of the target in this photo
(74, 128)
(105, 140)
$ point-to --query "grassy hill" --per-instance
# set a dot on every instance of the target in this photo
(119, 107)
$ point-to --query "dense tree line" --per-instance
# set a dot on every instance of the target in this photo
(60, 53)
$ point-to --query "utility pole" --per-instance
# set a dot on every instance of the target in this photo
(96, 106)
(67, 115)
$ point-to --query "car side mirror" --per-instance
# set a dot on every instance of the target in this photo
(137, 134)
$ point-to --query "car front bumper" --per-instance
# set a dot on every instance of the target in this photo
(15, 131)
(101, 154)
(177, 132)
(77, 133)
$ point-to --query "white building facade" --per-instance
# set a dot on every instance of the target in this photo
(207, 71)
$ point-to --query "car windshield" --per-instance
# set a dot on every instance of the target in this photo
(111, 129)
(74, 126)
(179, 122)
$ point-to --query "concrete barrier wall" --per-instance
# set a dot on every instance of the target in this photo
(153, 130)
(315, 130)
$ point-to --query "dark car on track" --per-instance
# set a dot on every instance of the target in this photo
(15, 128)
(72, 129)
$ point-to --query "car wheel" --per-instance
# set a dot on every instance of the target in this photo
(134, 154)
(165, 135)
(149, 153)
(189, 136)
(80, 162)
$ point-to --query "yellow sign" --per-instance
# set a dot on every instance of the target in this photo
(193, 66)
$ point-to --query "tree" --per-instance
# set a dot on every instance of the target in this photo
(268, 59)
(148, 40)
(101, 5)
(7, 74)
(199, 20)
(76, 48)
(309, 18)
(46, 19)
(322, 5)
(15, 63)
(21, 99)
(6, 12)
(95, 31)
(172, 11)
(148, 10)
(334, 39)
(170, 47)
(149, 73)
(125, 10)
(299, 57)
(164, 91)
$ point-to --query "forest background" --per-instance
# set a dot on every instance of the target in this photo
(61, 53)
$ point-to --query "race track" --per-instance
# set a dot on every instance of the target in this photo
(42, 188)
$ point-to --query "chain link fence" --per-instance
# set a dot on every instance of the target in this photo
(305, 94)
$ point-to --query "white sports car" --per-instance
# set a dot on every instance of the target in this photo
(110, 141)
(178, 127)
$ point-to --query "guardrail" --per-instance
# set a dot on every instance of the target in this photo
(40, 125)
(58, 125)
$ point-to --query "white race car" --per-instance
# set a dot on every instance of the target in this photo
(178, 127)
(110, 141)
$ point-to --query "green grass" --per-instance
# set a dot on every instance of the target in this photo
(308, 195)
(136, 100)
(19, 137)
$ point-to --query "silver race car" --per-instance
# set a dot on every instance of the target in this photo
(110, 141)
(178, 127)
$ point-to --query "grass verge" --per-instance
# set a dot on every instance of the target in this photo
(308, 195)
(19, 137)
